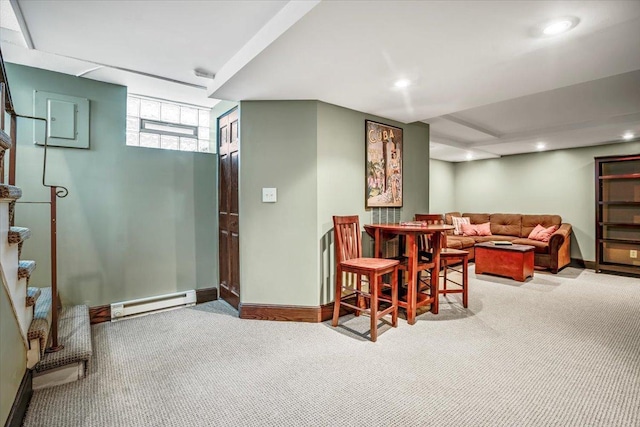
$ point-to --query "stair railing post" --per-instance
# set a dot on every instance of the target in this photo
(14, 149)
(2, 105)
(54, 275)
(2, 109)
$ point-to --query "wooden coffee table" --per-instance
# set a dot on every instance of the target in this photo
(515, 261)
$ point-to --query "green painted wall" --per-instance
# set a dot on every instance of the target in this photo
(341, 178)
(556, 182)
(13, 357)
(137, 222)
(278, 245)
(313, 153)
(442, 186)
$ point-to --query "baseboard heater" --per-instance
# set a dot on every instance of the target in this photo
(144, 306)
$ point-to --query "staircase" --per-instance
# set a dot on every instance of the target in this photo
(33, 306)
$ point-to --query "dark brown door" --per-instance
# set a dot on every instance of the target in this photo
(229, 248)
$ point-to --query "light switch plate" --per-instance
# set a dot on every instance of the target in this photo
(269, 195)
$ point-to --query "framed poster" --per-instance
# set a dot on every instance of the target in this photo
(383, 180)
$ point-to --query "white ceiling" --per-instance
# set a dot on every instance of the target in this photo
(487, 84)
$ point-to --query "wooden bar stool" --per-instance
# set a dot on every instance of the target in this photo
(448, 257)
(349, 260)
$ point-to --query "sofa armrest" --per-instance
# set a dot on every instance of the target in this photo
(560, 248)
(557, 239)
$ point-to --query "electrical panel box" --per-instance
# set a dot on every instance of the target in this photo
(67, 120)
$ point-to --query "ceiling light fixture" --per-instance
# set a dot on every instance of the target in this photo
(402, 83)
(469, 156)
(540, 146)
(627, 136)
(557, 26)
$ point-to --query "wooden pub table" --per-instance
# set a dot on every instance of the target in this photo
(413, 298)
(515, 261)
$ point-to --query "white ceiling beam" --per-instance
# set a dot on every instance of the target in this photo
(633, 118)
(291, 13)
(97, 65)
(22, 23)
(448, 141)
(462, 122)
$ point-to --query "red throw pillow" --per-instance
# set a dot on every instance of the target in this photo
(476, 229)
(541, 233)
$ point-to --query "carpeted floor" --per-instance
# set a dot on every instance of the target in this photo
(560, 350)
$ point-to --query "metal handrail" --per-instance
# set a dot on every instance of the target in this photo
(57, 191)
(63, 192)
(8, 102)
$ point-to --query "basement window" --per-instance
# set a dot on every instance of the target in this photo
(168, 125)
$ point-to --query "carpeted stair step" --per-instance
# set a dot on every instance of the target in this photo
(39, 328)
(10, 192)
(74, 333)
(5, 141)
(32, 295)
(25, 268)
(18, 234)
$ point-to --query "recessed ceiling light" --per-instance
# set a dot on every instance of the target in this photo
(627, 136)
(557, 26)
(469, 156)
(540, 146)
(402, 83)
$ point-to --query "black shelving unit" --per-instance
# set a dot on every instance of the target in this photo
(618, 214)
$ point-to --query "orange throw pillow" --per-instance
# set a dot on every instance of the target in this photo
(541, 233)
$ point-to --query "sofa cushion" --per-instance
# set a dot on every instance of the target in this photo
(449, 221)
(476, 229)
(540, 247)
(454, 243)
(482, 239)
(477, 218)
(541, 233)
(448, 215)
(460, 242)
(506, 224)
(529, 222)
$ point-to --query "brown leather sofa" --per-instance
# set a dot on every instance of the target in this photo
(552, 255)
